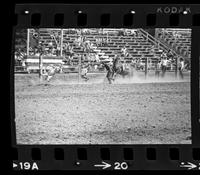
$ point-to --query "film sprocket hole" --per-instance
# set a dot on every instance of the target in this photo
(105, 87)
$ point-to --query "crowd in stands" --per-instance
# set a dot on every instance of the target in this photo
(87, 47)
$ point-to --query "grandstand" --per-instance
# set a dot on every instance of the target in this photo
(177, 39)
(139, 43)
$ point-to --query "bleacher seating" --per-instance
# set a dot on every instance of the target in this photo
(179, 39)
(137, 45)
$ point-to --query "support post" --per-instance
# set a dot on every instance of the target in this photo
(28, 42)
(156, 33)
(40, 66)
(147, 37)
(146, 66)
(79, 68)
(176, 66)
(61, 43)
(40, 58)
(107, 38)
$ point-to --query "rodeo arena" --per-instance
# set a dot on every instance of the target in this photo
(102, 86)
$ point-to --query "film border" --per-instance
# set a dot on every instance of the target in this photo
(162, 16)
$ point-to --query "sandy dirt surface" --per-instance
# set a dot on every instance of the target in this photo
(131, 111)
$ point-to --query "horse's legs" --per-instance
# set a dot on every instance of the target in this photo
(118, 71)
(114, 76)
(109, 76)
(85, 77)
(45, 77)
(49, 78)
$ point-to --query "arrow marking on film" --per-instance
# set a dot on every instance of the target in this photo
(189, 165)
(104, 165)
(14, 165)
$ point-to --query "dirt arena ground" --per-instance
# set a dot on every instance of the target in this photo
(130, 111)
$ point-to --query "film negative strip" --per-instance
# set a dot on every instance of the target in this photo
(105, 87)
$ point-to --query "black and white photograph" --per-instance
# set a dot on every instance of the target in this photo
(102, 86)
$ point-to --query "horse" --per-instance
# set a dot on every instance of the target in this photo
(51, 70)
(119, 68)
(110, 72)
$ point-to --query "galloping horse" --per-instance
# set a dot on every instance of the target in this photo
(119, 68)
(110, 72)
(116, 68)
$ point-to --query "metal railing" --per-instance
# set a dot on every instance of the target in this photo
(158, 43)
(177, 45)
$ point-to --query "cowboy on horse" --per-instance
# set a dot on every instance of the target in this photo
(115, 68)
(119, 67)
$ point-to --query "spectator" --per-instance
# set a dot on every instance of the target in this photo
(121, 33)
(157, 68)
(24, 63)
(133, 62)
(101, 41)
(132, 33)
(79, 41)
(123, 65)
(124, 51)
(50, 46)
(170, 54)
(83, 39)
(97, 58)
(53, 50)
(65, 46)
(58, 51)
(164, 55)
(84, 71)
(95, 67)
(98, 41)
(151, 50)
(136, 33)
(65, 60)
(87, 46)
(70, 50)
(64, 49)
(70, 59)
(105, 41)
(176, 35)
(181, 67)
(125, 32)
(164, 63)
